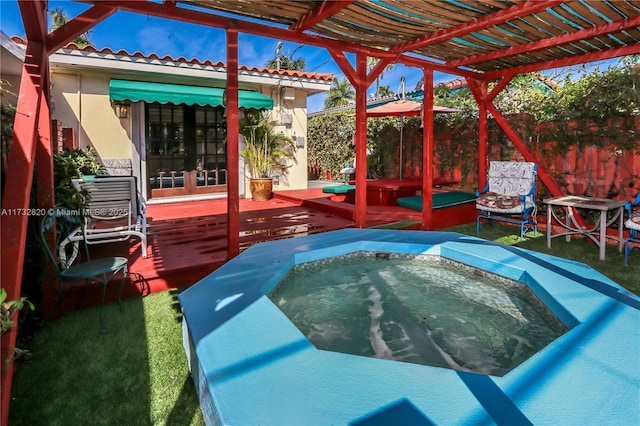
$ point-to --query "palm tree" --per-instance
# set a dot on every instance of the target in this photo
(287, 63)
(371, 63)
(340, 93)
(386, 91)
(59, 18)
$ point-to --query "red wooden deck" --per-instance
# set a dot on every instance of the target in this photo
(187, 240)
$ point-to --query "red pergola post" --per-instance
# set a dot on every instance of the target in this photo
(233, 131)
(360, 81)
(45, 185)
(484, 99)
(19, 174)
(427, 151)
(479, 90)
(360, 213)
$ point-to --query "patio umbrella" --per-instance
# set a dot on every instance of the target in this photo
(402, 108)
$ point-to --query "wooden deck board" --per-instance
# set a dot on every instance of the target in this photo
(188, 240)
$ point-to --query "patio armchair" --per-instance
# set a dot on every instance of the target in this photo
(633, 223)
(116, 212)
(65, 252)
(509, 196)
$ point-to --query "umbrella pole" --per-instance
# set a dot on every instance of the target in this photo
(401, 147)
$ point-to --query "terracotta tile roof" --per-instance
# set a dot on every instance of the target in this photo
(193, 61)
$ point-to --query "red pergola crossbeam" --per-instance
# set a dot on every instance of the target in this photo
(545, 177)
(422, 63)
(615, 52)
(345, 66)
(514, 12)
(551, 42)
(33, 13)
(170, 11)
(326, 9)
(77, 26)
(506, 79)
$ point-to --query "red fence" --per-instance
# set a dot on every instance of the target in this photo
(604, 172)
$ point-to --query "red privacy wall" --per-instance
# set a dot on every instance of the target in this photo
(604, 171)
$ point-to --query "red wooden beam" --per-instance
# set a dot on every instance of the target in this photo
(615, 52)
(233, 130)
(34, 13)
(514, 12)
(506, 79)
(326, 9)
(15, 199)
(77, 26)
(585, 34)
(170, 11)
(521, 146)
(423, 63)
(350, 72)
(427, 151)
(345, 66)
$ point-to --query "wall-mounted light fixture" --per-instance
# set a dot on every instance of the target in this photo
(122, 110)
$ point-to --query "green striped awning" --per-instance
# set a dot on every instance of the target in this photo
(134, 91)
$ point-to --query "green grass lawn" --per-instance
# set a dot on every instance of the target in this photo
(137, 372)
(579, 249)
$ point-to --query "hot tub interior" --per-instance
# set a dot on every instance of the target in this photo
(422, 309)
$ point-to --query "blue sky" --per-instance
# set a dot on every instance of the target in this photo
(148, 34)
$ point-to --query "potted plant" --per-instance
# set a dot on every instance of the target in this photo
(264, 153)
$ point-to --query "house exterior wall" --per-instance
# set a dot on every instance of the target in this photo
(82, 102)
(290, 110)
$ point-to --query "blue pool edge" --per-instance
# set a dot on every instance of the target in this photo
(251, 365)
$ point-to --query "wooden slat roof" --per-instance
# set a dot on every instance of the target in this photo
(480, 35)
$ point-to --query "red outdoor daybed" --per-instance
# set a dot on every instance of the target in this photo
(385, 192)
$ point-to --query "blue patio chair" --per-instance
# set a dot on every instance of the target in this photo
(66, 228)
(633, 223)
(509, 196)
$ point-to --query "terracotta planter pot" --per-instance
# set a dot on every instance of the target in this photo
(261, 189)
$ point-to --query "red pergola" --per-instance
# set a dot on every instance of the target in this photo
(483, 41)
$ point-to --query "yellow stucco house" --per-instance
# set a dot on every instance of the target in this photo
(162, 119)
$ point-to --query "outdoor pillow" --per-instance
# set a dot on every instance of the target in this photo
(498, 201)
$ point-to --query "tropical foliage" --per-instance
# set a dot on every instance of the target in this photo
(8, 310)
(59, 18)
(265, 151)
(595, 108)
(287, 63)
(380, 90)
(7, 116)
(341, 93)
